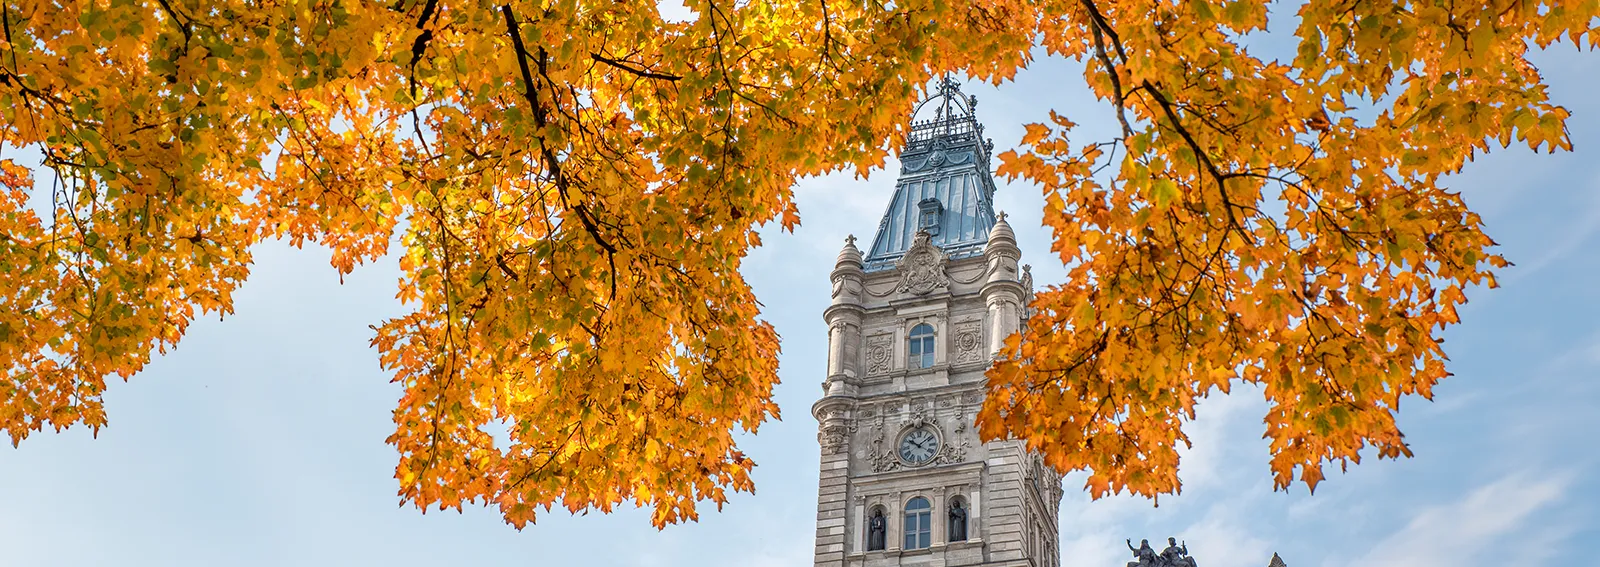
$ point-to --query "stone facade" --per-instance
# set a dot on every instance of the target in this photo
(896, 430)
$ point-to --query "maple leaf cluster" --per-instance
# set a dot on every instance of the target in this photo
(574, 185)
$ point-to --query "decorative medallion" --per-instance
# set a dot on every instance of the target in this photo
(969, 342)
(880, 350)
(922, 267)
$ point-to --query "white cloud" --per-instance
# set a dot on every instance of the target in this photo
(1224, 452)
(1096, 549)
(1465, 532)
(1226, 543)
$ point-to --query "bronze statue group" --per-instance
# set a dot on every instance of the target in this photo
(1174, 555)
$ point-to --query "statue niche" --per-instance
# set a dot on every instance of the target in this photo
(877, 528)
(957, 521)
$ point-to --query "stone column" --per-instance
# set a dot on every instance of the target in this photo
(833, 415)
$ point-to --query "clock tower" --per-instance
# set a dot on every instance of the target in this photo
(913, 325)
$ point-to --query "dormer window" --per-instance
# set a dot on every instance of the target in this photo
(928, 212)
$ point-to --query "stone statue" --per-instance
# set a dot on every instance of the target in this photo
(875, 531)
(1176, 555)
(958, 522)
(1145, 554)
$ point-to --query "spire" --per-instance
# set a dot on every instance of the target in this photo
(850, 255)
(945, 187)
(1002, 231)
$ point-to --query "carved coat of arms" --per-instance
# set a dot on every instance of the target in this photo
(922, 267)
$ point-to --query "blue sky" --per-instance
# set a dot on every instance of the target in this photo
(259, 441)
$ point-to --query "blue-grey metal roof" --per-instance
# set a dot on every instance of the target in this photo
(945, 186)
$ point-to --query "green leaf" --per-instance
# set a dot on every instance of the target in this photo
(1164, 191)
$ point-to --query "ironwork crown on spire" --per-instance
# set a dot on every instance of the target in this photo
(945, 188)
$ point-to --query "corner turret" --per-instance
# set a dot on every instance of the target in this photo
(844, 320)
(1002, 289)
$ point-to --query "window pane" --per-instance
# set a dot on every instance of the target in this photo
(920, 346)
(919, 523)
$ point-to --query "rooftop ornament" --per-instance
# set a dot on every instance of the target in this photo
(954, 119)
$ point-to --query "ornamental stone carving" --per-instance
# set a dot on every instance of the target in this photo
(969, 342)
(922, 267)
(919, 417)
(885, 460)
(846, 290)
(833, 438)
(879, 353)
(951, 454)
(941, 154)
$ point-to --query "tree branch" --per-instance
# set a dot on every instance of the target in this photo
(529, 91)
(623, 65)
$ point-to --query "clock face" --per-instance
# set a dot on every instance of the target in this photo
(918, 446)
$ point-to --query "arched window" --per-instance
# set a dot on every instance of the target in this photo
(921, 347)
(957, 524)
(919, 523)
(877, 529)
